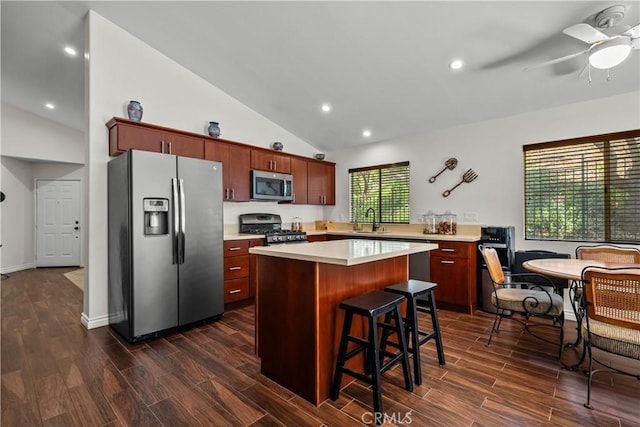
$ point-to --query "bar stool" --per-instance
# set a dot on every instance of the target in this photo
(420, 298)
(372, 305)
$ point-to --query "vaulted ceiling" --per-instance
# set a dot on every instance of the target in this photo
(382, 66)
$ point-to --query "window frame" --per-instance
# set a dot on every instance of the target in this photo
(608, 211)
(380, 206)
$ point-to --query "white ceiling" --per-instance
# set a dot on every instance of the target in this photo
(381, 65)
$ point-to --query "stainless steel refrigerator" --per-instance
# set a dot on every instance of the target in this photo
(165, 242)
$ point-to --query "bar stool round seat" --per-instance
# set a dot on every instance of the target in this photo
(420, 298)
(371, 306)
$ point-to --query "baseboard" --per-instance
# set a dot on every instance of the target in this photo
(14, 268)
(95, 322)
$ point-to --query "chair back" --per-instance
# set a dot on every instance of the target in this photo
(609, 253)
(492, 261)
(613, 295)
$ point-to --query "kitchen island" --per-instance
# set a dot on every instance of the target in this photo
(300, 286)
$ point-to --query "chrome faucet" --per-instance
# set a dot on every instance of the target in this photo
(374, 226)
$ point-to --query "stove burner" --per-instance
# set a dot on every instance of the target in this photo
(271, 226)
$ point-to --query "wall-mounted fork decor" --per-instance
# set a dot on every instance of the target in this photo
(468, 176)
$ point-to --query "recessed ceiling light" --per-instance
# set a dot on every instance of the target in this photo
(326, 108)
(366, 133)
(70, 51)
(456, 64)
(50, 106)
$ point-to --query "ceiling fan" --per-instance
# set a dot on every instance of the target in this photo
(604, 52)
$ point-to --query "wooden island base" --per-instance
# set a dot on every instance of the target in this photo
(298, 323)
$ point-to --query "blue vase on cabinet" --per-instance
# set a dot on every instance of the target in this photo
(214, 129)
(134, 110)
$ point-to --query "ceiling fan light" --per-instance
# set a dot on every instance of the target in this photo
(610, 53)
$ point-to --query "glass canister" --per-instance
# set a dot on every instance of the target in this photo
(296, 223)
(448, 223)
(429, 223)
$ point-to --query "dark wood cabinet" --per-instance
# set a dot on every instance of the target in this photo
(454, 269)
(270, 161)
(313, 180)
(126, 135)
(252, 267)
(321, 187)
(236, 166)
(299, 173)
(236, 270)
(317, 238)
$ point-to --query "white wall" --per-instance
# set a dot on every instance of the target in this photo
(28, 136)
(494, 150)
(32, 148)
(122, 68)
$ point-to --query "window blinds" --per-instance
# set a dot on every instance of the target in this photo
(585, 189)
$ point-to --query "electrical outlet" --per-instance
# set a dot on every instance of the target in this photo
(471, 217)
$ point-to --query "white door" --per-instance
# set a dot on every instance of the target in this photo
(57, 223)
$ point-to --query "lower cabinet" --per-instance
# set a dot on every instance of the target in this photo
(236, 270)
(253, 278)
(317, 238)
(454, 268)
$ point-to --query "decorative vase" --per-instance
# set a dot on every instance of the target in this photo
(134, 110)
(278, 146)
(214, 129)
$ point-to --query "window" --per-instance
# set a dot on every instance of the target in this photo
(384, 188)
(584, 189)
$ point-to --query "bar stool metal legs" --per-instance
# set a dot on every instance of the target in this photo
(420, 298)
(372, 305)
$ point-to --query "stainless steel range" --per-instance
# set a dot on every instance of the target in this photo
(271, 226)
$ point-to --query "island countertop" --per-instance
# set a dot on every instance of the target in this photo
(343, 252)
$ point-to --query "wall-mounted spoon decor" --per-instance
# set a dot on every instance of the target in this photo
(449, 164)
(468, 176)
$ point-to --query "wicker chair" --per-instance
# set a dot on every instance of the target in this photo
(526, 298)
(609, 253)
(612, 323)
(602, 253)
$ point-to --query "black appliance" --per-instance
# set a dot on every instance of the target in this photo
(270, 225)
(522, 256)
(502, 239)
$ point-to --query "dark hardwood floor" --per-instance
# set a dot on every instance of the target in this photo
(57, 373)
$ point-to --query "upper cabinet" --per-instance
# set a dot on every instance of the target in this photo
(299, 173)
(313, 180)
(271, 161)
(126, 134)
(236, 168)
(321, 183)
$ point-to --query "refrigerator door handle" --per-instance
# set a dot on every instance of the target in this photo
(174, 212)
(182, 222)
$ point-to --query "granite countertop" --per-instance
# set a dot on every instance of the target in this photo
(377, 235)
(343, 252)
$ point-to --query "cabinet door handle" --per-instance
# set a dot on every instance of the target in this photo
(234, 249)
(162, 146)
(235, 291)
(447, 262)
(275, 165)
(447, 250)
(234, 268)
(170, 147)
(233, 194)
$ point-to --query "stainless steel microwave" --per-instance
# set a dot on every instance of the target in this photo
(271, 186)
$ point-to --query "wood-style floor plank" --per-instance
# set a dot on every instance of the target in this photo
(56, 373)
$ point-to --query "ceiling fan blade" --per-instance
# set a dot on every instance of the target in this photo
(585, 33)
(557, 60)
(633, 32)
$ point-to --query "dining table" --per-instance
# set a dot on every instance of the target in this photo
(571, 269)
